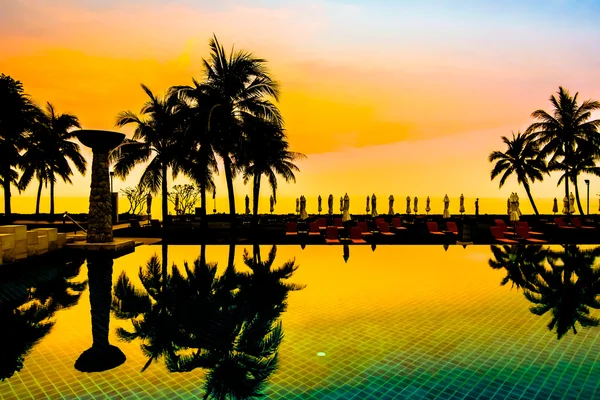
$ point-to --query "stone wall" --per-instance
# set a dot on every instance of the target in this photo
(100, 215)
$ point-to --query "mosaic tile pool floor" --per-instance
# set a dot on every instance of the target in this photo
(400, 322)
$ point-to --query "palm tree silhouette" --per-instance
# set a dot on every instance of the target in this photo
(521, 262)
(201, 164)
(265, 152)
(521, 158)
(156, 139)
(237, 85)
(26, 310)
(17, 115)
(583, 162)
(567, 290)
(567, 129)
(48, 152)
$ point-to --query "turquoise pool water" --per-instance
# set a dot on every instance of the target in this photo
(399, 322)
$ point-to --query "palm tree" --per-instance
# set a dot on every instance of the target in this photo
(568, 289)
(156, 140)
(201, 164)
(49, 151)
(566, 130)
(520, 158)
(17, 115)
(237, 85)
(583, 162)
(265, 152)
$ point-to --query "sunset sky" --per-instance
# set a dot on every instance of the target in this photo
(391, 97)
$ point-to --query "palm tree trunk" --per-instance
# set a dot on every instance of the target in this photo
(528, 191)
(577, 195)
(51, 197)
(229, 179)
(256, 192)
(165, 200)
(39, 197)
(203, 222)
(7, 210)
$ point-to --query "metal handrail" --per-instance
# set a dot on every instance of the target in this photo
(75, 222)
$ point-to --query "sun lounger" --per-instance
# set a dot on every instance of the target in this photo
(502, 224)
(526, 226)
(155, 223)
(433, 228)
(314, 229)
(364, 228)
(134, 223)
(577, 223)
(331, 235)
(561, 224)
(337, 222)
(451, 227)
(384, 229)
(524, 233)
(498, 234)
(397, 224)
(322, 222)
(356, 235)
(291, 228)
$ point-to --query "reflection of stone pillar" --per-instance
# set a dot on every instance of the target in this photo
(102, 355)
(100, 214)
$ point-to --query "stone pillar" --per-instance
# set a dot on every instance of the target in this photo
(100, 214)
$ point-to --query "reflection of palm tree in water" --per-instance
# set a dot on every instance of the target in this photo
(567, 289)
(26, 310)
(521, 262)
(226, 324)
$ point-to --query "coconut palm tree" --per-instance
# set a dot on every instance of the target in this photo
(520, 158)
(238, 85)
(17, 116)
(583, 162)
(568, 289)
(201, 163)
(265, 152)
(49, 151)
(566, 129)
(156, 141)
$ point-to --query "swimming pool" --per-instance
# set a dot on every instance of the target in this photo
(396, 322)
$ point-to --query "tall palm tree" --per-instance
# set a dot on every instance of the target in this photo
(265, 152)
(559, 134)
(17, 116)
(568, 289)
(238, 85)
(201, 163)
(155, 139)
(520, 158)
(583, 162)
(49, 151)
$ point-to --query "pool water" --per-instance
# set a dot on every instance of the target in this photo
(397, 322)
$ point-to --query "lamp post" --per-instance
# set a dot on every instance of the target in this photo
(587, 182)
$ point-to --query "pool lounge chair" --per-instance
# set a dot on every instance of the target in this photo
(337, 222)
(155, 223)
(562, 224)
(397, 224)
(433, 228)
(331, 235)
(576, 222)
(452, 227)
(314, 229)
(384, 229)
(291, 228)
(356, 235)
(364, 228)
(322, 222)
(498, 234)
(524, 233)
(526, 225)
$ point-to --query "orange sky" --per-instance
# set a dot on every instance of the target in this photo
(382, 98)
